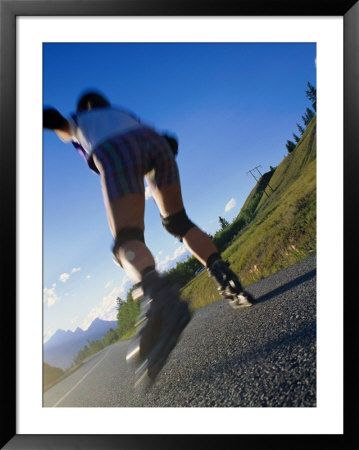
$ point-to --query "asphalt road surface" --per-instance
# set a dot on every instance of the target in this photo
(263, 356)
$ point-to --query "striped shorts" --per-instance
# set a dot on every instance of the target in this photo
(127, 158)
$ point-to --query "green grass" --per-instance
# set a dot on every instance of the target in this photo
(291, 167)
(51, 374)
(283, 230)
(128, 334)
(283, 236)
(61, 375)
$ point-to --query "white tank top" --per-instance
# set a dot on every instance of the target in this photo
(96, 126)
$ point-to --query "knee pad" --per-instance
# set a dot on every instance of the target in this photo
(177, 224)
(126, 234)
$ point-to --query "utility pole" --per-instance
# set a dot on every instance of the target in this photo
(256, 168)
(251, 172)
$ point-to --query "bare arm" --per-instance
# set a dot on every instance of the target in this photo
(64, 133)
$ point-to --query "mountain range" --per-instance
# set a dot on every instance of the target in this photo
(60, 350)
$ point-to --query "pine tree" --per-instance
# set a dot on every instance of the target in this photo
(305, 120)
(119, 302)
(296, 138)
(311, 93)
(290, 146)
(300, 128)
(310, 114)
(223, 222)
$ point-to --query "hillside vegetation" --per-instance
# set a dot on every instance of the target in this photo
(280, 223)
(50, 374)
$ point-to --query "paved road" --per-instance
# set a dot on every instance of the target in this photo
(264, 356)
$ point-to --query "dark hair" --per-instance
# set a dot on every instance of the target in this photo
(91, 100)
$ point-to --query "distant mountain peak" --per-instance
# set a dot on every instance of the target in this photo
(61, 348)
(99, 322)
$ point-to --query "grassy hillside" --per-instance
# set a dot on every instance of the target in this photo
(51, 374)
(283, 227)
(292, 166)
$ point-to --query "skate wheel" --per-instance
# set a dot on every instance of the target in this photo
(133, 352)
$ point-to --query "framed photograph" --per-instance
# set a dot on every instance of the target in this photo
(238, 86)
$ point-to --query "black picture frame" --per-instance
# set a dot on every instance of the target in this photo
(10, 9)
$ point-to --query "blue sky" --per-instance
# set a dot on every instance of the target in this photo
(232, 107)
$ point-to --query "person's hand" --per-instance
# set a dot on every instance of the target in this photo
(172, 142)
(53, 120)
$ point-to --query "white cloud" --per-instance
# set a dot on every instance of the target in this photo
(64, 277)
(108, 284)
(169, 261)
(47, 334)
(107, 308)
(88, 277)
(230, 205)
(49, 296)
(180, 251)
(148, 193)
(125, 284)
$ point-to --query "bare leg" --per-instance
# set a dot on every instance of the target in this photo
(199, 244)
(169, 201)
(124, 212)
(164, 314)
